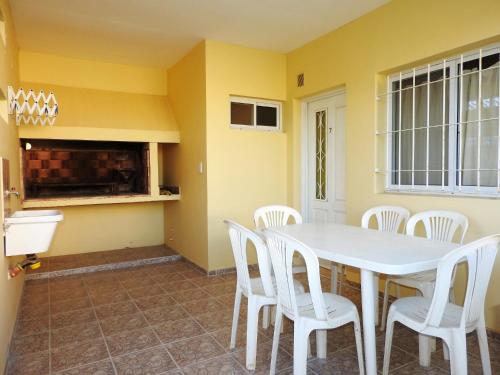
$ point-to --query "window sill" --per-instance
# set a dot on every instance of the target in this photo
(443, 194)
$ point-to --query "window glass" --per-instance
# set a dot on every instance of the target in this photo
(267, 116)
(242, 113)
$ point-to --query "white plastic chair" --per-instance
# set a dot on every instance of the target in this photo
(310, 311)
(275, 216)
(440, 226)
(388, 219)
(260, 291)
(439, 318)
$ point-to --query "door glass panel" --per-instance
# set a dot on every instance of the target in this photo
(321, 145)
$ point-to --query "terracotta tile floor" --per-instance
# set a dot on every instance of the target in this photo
(172, 319)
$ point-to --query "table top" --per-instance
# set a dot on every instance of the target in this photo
(384, 252)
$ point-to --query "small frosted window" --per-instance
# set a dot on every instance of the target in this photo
(241, 113)
(255, 114)
(267, 116)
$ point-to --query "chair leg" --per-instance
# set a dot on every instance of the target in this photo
(359, 346)
(388, 344)
(333, 277)
(341, 280)
(446, 351)
(482, 338)
(276, 339)
(321, 343)
(236, 314)
(300, 334)
(428, 292)
(252, 329)
(385, 304)
(265, 317)
(424, 352)
(458, 353)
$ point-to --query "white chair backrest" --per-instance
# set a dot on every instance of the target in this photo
(239, 236)
(275, 216)
(389, 218)
(282, 249)
(480, 258)
(439, 225)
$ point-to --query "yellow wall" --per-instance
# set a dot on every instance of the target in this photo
(106, 115)
(246, 169)
(186, 220)
(10, 290)
(106, 227)
(64, 71)
(103, 101)
(397, 34)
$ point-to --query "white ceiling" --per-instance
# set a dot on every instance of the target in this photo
(160, 32)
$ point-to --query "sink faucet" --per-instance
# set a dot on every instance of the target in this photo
(8, 193)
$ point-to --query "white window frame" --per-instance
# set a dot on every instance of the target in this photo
(454, 95)
(255, 103)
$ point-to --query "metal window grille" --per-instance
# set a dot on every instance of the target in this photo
(443, 126)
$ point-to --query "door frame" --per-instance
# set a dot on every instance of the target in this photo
(304, 147)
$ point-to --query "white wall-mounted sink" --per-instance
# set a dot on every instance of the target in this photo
(30, 232)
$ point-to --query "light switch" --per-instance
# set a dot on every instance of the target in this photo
(200, 167)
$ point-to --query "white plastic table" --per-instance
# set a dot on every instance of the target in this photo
(373, 252)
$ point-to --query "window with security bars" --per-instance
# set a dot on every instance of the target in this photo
(443, 126)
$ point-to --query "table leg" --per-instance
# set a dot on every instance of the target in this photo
(375, 296)
(368, 303)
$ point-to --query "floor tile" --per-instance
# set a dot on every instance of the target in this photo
(99, 368)
(148, 362)
(194, 350)
(30, 344)
(223, 336)
(177, 286)
(165, 313)
(29, 364)
(107, 298)
(65, 294)
(145, 291)
(216, 320)
(121, 323)
(193, 295)
(31, 327)
(221, 289)
(130, 341)
(29, 312)
(78, 353)
(167, 278)
(339, 363)
(225, 365)
(137, 282)
(203, 306)
(263, 359)
(72, 318)
(69, 305)
(116, 309)
(207, 281)
(74, 333)
(178, 330)
(414, 368)
(152, 302)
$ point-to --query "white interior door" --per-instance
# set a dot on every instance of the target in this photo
(326, 160)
